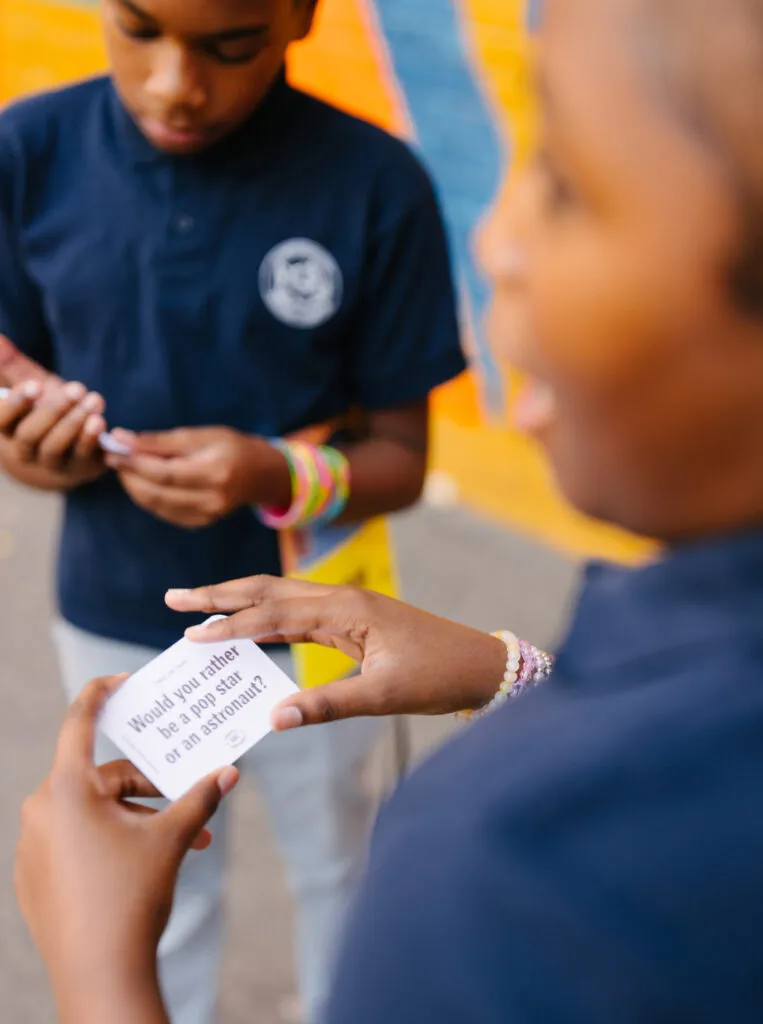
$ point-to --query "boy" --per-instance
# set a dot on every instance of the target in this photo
(219, 260)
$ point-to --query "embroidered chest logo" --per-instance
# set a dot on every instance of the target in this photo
(301, 283)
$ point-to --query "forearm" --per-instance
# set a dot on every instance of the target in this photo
(386, 475)
(386, 467)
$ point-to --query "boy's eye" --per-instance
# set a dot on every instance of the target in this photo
(139, 30)
(558, 192)
(232, 51)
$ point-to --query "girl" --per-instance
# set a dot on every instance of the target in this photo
(592, 852)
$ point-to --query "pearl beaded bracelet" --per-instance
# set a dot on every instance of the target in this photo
(526, 666)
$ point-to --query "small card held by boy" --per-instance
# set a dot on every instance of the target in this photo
(193, 709)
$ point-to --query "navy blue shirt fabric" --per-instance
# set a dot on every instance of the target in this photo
(593, 852)
(296, 270)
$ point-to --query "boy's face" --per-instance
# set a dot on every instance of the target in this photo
(608, 259)
(191, 71)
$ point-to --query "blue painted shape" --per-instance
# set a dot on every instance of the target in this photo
(533, 14)
(455, 128)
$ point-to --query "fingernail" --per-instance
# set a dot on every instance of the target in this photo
(287, 718)
(31, 389)
(93, 425)
(226, 780)
(92, 401)
(180, 592)
(74, 390)
(199, 632)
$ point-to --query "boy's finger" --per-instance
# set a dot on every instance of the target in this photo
(45, 415)
(17, 404)
(87, 441)
(244, 593)
(63, 438)
(168, 502)
(169, 443)
(74, 751)
(186, 818)
(168, 472)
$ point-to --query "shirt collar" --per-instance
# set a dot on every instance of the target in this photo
(250, 144)
(699, 594)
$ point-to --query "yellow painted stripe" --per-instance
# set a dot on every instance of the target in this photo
(502, 51)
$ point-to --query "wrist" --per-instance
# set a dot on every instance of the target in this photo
(523, 666)
(114, 991)
(491, 675)
(270, 477)
(319, 477)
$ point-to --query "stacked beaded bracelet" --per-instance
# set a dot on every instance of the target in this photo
(526, 666)
(320, 486)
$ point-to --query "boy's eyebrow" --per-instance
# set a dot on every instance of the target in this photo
(241, 32)
(134, 9)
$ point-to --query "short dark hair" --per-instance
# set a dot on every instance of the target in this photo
(711, 64)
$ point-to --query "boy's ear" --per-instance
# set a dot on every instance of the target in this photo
(307, 16)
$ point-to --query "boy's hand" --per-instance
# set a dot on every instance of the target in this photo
(48, 429)
(95, 875)
(52, 429)
(194, 476)
(16, 368)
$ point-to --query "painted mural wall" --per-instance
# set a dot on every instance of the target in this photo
(453, 76)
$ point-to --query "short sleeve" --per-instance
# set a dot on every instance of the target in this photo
(21, 310)
(408, 338)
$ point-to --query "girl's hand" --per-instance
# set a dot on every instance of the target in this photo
(411, 662)
(95, 875)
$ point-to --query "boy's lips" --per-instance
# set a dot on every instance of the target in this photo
(165, 135)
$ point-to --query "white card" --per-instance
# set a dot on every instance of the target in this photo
(194, 709)
(110, 444)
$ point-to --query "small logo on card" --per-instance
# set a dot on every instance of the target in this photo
(301, 283)
(235, 739)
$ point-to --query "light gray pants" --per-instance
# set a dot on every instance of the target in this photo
(320, 812)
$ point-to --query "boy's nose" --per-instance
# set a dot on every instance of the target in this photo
(175, 79)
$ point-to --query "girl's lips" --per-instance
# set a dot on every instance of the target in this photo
(535, 406)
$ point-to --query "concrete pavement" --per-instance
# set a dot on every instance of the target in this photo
(452, 564)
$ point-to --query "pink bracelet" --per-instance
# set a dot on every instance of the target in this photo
(320, 486)
(534, 666)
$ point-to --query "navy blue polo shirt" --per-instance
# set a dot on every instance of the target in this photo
(592, 853)
(295, 270)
